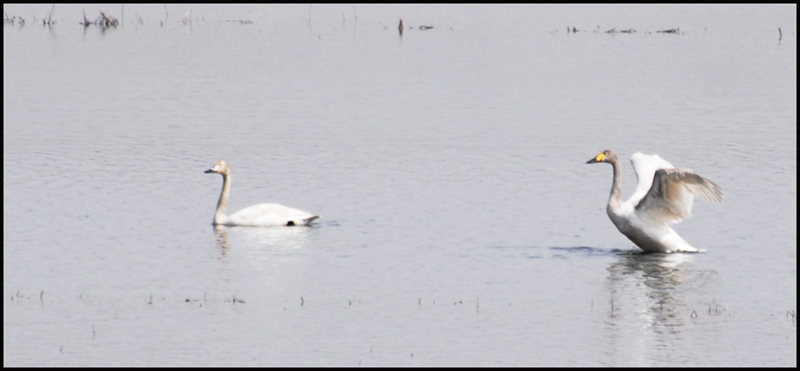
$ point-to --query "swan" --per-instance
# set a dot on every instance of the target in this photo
(261, 215)
(663, 196)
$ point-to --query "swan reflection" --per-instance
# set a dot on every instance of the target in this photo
(652, 297)
(261, 243)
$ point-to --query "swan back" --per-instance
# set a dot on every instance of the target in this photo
(266, 215)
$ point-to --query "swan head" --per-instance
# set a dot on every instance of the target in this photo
(219, 168)
(605, 156)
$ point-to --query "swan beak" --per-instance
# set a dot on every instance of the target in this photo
(209, 171)
(599, 158)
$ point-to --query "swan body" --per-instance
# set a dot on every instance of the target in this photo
(663, 196)
(261, 215)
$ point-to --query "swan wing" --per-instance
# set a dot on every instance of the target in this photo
(270, 214)
(669, 199)
(645, 167)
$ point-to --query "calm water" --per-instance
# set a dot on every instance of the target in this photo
(460, 224)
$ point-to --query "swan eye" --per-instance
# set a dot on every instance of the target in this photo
(600, 157)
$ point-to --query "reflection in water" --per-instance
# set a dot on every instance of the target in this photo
(222, 238)
(251, 255)
(648, 305)
(264, 242)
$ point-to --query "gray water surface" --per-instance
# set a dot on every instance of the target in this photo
(460, 223)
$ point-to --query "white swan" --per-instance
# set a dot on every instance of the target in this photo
(662, 197)
(261, 215)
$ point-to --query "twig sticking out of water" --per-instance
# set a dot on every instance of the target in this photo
(717, 307)
(302, 301)
(103, 21)
(188, 17)
(780, 34)
(106, 20)
(49, 20)
(237, 300)
(85, 22)
(400, 27)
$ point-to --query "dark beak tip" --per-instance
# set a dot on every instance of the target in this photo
(209, 171)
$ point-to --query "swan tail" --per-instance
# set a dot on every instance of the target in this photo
(307, 221)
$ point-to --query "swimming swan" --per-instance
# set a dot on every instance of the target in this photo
(261, 215)
(663, 197)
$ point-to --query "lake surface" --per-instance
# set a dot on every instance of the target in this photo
(460, 223)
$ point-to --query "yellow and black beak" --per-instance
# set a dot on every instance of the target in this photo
(598, 158)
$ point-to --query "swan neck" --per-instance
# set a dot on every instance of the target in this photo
(616, 186)
(222, 204)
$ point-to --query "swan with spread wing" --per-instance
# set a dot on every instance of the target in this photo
(663, 196)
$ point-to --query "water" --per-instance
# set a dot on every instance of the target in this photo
(460, 224)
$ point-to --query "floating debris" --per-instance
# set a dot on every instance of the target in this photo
(614, 30)
(240, 21)
(235, 300)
